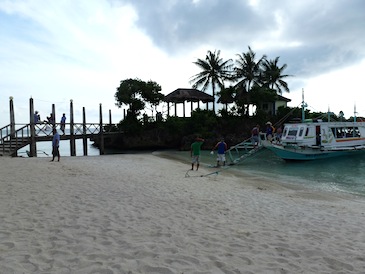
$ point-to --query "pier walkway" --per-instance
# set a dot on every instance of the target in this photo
(16, 136)
(11, 140)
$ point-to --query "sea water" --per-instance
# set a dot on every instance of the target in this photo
(342, 174)
(44, 149)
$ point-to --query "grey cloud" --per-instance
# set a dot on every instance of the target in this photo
(330, 33)
(177, 25)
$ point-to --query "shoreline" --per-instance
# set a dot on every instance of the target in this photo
(261, 181)
(138, 213)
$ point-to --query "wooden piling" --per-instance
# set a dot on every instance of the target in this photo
(12, 123)
(33, 143)
(53, 115)
(101, 133)
(110, 119)
(72, 134)
(84, 138)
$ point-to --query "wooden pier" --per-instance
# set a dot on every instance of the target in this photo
(16, 136)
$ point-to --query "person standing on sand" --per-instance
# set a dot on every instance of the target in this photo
(195, 152)
(221, 155)
(63, 123)
(55, 145)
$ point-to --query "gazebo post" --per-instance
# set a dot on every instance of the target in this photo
(191, 111)
(184, 109)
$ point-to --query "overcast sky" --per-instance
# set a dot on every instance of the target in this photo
(55, 51)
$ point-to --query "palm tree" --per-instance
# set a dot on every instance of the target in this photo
(214, 72)
(273, 75)
(248, 73)
(226, 96)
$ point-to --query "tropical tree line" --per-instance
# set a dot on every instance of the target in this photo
(250, 80)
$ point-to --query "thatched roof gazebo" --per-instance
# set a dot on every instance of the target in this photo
(182, 95)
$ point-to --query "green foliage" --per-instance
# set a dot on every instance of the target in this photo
(262, 94)
(203, 122)
(214, 71)
(131, 125)
(136, 93)
(176, 126)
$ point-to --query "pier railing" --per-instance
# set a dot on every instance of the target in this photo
(14, 137)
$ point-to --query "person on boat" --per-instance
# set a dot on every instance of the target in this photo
(255, 136)
(269, 131)
(279, 134)
(221, 155)
(195, 152)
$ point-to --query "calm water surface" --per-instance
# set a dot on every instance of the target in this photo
(344, 174)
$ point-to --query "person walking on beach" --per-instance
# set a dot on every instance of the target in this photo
(255, 135)
(221, 155)
(195, 152)
(55, 145)
(63, 123)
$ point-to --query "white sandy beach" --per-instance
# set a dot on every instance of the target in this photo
(140, 214)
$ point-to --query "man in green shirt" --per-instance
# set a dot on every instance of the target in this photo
(195, 152)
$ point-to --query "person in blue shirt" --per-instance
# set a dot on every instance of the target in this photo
(55, 145)
(36, 117)
(221, 155)
(63, 123)
(269, 131)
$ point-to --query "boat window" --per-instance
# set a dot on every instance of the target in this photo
(285, 132)
(340, 132)
(293, 132)
(346, 132)
(301, 131)
(307, 131)
(333, 131)
(357, 132)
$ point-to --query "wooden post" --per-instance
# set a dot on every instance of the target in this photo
(184, 109)
(101, 135)
(191, 111)
(12, 125)
(168, 109)
(33, 143)
(72, 135)
(12, 117)
(54, 116)
(84, 138)
(175, 110)
(110, 119)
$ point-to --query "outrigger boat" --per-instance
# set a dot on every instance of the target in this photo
(315, 139)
